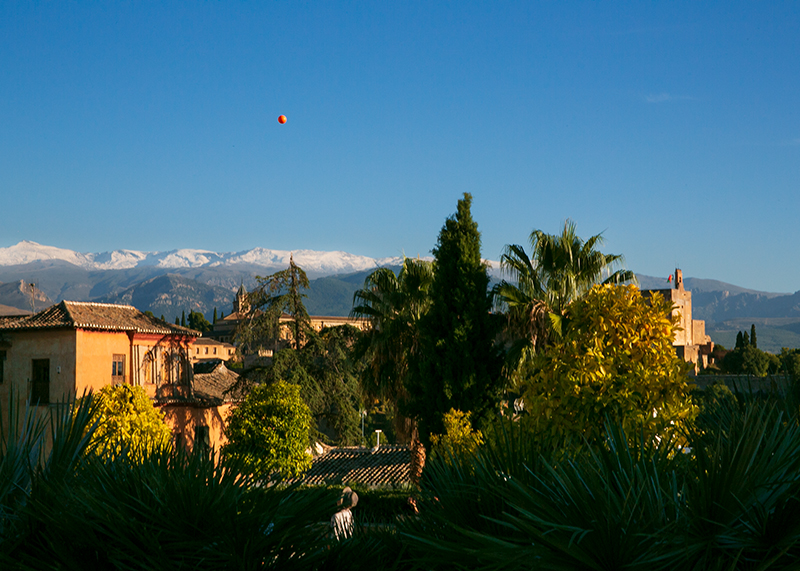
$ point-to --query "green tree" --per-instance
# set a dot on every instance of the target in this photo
(747, 360)
(275, 295)
(560, 269)
(198, 322)
(614, 360)
(269, 431)
(215, 316)
(394, 304)
(739, 340)
(459, 438)
(458, 364)
(753, 341)
(790, 362)
(328, 376)
(183, 319)
(127, 419)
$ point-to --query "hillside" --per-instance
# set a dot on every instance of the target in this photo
(195, 280)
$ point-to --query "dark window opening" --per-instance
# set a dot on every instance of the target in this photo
(202, 438)
(40, 381)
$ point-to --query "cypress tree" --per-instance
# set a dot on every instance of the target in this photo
(183, 319)
(753, 341)
(739, 343)
(215, 316)
(458, 364)
(745, 339)
(177, 320)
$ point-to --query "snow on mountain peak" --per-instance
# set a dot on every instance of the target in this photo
(312, 261)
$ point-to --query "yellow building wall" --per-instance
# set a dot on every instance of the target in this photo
(183, 420)
(95, 351)
(25, 346)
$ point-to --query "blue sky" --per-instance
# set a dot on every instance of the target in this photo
(671, 127)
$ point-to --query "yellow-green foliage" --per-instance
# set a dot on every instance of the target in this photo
(615, 359)
(269, 431)
(127, 419)
(459, 439)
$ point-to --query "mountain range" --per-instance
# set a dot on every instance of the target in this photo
(168, 283)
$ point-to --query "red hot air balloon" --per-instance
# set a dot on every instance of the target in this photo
(282, 119)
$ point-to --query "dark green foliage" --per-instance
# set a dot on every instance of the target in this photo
(748, 360)
(753, 341)
(327, 373)
(729, 500)
(277, 294)
(166, 510)
(183, 319)
(215, 316)
(394, 305)
(458, 364)
(198, 322)
(739, 340)
(790, 362)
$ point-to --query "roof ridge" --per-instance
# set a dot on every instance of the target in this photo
(99, 304)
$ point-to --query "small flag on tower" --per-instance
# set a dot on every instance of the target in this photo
(669, 279)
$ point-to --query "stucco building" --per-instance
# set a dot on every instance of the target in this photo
(691, 342)
(73, 347)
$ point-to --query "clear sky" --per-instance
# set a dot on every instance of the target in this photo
(671, 127)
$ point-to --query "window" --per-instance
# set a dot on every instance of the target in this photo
(202, 437)
(215, 350)
(2, 366)
(206, 350)
(40, 381)
(118, 369)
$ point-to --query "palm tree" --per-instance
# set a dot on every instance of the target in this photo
(394, 304)
(560, 269)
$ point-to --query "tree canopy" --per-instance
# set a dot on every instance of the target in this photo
(560, 269)
(269, 431)
(457, 365)
(275, 295)
(127, 420)
(614, 360)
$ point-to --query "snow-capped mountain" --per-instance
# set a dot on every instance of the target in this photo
(312, 261)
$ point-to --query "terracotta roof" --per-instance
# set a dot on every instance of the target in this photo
(369, 466)
(211, 386)
(89, 315)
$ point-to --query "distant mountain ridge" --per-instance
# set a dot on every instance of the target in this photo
(316, 263)
(197, 280)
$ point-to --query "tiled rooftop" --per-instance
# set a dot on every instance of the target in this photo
(368, 466)
(212, 385)
(98, 316)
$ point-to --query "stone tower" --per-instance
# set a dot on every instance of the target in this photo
(241, 304)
